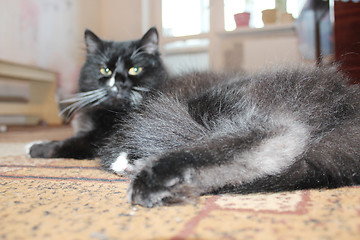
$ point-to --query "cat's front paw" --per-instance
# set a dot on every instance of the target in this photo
(42, 149)
(162, 185)
(121, 165)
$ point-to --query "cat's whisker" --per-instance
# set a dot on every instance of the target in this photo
(99, 102)
(82, 100)
(134, 54)
(100, 54)
(138, 52)
(91, 92)
(89, 98)
(78, 96)
(94, 98)
(72, 108)
(141, 89)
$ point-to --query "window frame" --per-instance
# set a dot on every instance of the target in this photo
(216, 26)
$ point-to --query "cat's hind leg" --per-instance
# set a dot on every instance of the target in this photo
(225, 158)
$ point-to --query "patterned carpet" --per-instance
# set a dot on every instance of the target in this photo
(69, 199)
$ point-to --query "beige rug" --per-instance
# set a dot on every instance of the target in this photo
(69, 199)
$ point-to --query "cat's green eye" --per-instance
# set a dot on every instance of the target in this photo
(135, 71)
(105, 71)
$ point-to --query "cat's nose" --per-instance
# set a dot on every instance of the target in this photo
(114, 89)
(116, 86)
(115, 92)
(119, 90)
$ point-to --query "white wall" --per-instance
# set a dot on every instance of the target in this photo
(121, 19)
(255, 49)
(187, 62)
(49, 33)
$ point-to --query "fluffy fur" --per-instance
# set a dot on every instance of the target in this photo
(181, 137)
(108, 91)
(285, 129)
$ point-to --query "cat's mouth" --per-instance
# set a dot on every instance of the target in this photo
(115, 92)
(118, 96)
(118, 93)
(132, 95)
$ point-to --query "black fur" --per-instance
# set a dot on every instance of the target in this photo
(96, 106)
(285, 129)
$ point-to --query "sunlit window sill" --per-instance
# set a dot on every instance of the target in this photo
(267, 30)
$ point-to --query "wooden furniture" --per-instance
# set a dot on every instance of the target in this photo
(40, 104)
(330, 31)
(347, 37)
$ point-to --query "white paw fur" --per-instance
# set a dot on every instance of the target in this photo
(121, 164)
(29, 145)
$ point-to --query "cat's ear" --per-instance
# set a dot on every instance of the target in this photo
(93, 42)
(150, 41)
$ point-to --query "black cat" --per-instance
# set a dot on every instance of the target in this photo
(284, 129)
(115, 79)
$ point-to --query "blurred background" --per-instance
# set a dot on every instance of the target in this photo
(42, 47)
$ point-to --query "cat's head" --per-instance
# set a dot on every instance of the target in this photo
(118, 74)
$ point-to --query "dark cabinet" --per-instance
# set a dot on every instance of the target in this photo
(330, 30)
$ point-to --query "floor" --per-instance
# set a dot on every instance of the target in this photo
(72, 199)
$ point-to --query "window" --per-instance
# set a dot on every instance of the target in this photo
(294, 7)
(255, 7)
(185, 17)
(188, 42)
(232, 7)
